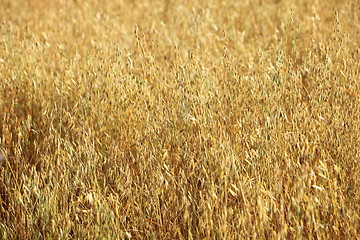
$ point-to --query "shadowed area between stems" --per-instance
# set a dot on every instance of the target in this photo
(2, 159)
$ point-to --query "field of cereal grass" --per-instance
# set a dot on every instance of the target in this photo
(170, 119)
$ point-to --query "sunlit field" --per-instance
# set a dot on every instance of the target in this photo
(169, 119)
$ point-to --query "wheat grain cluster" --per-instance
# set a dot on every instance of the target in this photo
(169, 119)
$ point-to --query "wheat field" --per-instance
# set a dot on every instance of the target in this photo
(170, 119)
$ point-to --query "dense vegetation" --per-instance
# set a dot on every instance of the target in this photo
(180, 119)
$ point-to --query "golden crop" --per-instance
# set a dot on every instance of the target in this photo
(169, 119)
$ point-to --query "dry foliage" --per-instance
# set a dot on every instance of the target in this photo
(180, 119)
